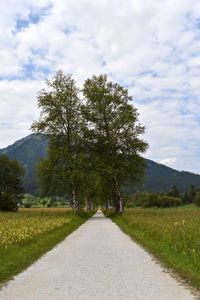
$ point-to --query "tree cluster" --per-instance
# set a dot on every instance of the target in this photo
(94, 144)
(171, 198)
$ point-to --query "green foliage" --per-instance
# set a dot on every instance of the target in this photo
(8, 202)
(140, 198)
(44, 202)
(11, 190)
(10, 172)
(27, 204)
(197, 197)
(112, 130)
(162, 201)
(91, 146)
(60, 120)
(192, 193)
(174, 192)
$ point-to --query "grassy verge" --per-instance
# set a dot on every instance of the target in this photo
(171, 235)
(18, 254)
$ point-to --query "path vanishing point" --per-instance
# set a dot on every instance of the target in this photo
(96, 262)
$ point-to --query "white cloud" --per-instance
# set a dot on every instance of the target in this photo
(170, 161)
(18, 109)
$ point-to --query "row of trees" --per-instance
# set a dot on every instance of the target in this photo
(94, 145)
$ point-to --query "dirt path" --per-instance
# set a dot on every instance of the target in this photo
(97, 262)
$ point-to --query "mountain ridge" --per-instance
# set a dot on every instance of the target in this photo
(159, 177)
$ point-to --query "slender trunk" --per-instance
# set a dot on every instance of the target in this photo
(78, 206)
(120, 202)
(107, 205)
(73, 200)
(119, 198)
(90, 204)
(115, 202)
(86, 204)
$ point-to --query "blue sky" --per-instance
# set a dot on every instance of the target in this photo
(152, 47)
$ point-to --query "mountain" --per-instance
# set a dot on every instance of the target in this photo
(27, 151)
(159, 177)
(162, 178)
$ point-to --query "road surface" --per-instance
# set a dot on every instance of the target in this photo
(98, 262)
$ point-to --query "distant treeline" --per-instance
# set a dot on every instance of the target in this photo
(164, 199)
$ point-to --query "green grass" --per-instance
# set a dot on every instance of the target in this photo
(172, 235)
(18, 251)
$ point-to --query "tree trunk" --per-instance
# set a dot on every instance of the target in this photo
(107, 205)
(86, 204)
(120, 202)
(73, 200)
(119, 199)
(90, 204)
(78, 206)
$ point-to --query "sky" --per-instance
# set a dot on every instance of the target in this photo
(151, 47)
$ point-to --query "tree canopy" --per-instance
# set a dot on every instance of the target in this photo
(94, 144)
(112, 128)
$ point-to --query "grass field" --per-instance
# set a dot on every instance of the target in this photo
(172, 235)
(29, 233)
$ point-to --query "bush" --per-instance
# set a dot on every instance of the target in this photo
(152, 200)
(49, 204)
(140, 198)
(129, 205)
(27, 204)
(44, 202)
(8, 202)
(163, 201)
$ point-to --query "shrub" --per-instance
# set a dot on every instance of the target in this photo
(163, 201)
(44, 202)
(27, 204)
(8, 202)
(49, 204)
(129, 205)
(140, 198)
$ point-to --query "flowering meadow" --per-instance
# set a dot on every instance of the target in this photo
(29, 233)
(27, 224)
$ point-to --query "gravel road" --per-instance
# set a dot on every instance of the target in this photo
(97, 262)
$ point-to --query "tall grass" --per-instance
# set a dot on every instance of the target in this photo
(172, 234)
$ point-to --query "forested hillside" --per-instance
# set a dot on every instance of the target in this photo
(27, 151)
(158, 177)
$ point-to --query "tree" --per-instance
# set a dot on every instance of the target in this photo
(11, 191)
(174, 192)
(112, 130)
(197, 197)
(186, 198)
(60, 120)
(192, 193)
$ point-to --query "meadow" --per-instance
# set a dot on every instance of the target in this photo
(172, 235)
(27, 234)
